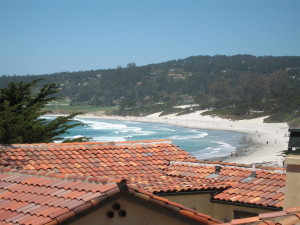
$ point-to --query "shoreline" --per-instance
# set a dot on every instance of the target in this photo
(262, 145)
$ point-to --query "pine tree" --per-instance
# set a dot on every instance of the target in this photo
(21, 113)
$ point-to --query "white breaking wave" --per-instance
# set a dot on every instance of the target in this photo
(75, 136)
(120, 128)
(97, 125)
(202, 144)
(168, 129)
(225, 146)
(109, 139)
(199, 135)
(222, 149)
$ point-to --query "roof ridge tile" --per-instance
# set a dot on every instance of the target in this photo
(157, 141)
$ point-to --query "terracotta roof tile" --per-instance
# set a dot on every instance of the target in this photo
(245, 220)
(293, 210)
(157, 166)
(31, 207)
(288, 217)
(170, 152)
(174, 207)
(65, 202)
(260, 189)
(272, 214)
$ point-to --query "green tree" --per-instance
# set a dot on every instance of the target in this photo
(131, 65)
(20, 115)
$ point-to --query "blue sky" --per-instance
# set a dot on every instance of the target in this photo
(47, 36)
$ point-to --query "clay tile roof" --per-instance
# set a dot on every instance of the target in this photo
(101, 158)
(62, 201)
(263, 189)
(142, 163)
(288, 217)
(157, 166)
(179, 209)
(167, 184)
(24, 203)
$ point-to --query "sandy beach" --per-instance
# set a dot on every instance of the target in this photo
(264, 143)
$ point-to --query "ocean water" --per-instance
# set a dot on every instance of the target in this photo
(202, 144)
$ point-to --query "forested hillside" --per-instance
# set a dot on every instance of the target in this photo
(240, 85)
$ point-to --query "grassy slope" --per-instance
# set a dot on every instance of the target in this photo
(65, 108)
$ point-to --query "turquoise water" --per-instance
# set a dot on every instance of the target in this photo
(200, 143)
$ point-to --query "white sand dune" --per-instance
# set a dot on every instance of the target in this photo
(266, 140)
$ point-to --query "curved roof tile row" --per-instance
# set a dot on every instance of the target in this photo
(157, 166)
(36, 198)
(264, 187)
(290, 216)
